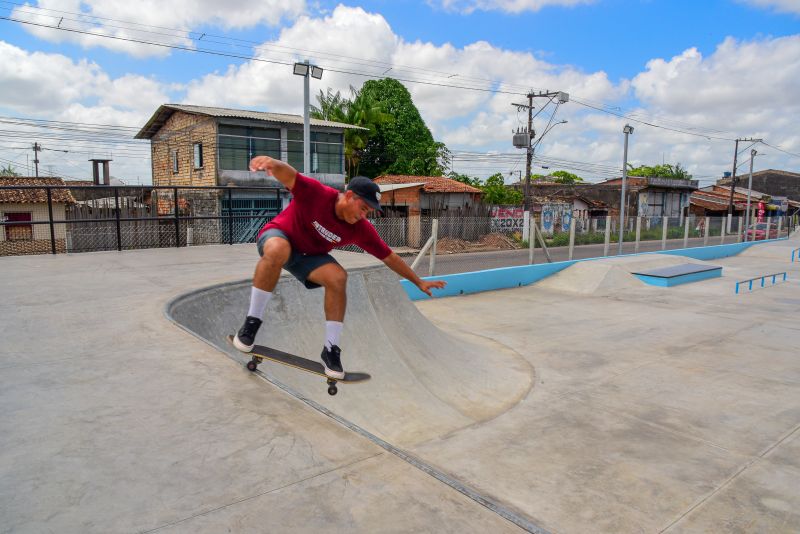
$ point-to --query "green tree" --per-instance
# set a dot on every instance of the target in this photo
(564, 177)
(496, 192)
(660, 171)
(559, 177)
(465, 179)
(8, 170)
(403, 145)
(358, 111)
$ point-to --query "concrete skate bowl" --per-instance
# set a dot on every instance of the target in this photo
(425, 383)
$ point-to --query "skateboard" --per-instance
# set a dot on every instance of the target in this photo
(260, 353)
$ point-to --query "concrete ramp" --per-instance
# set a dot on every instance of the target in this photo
(425, 383)
(612, 275)
(781, 250)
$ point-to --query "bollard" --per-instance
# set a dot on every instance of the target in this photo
(571, 239)
(686, 224)
(435, 236)
(664, 233)
(638, 233)
(531, 238)
(739, 231)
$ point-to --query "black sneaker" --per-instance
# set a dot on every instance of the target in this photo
(332, 361)
(245, 340)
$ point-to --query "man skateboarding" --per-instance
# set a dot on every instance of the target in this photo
(299, 240)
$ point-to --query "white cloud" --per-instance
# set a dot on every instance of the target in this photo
(782, 6)
(510, 6)
(37, 83)
(156, 21)
(740, 89)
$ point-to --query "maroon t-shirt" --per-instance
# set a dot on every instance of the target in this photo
(311, 224)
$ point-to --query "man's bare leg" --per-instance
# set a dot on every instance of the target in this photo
(333, 278)
(275, 254)
(268, 270)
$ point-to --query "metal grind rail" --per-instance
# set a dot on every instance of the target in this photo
(762, 278)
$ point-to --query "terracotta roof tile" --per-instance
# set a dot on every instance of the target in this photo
(19, 196)
(433, 184)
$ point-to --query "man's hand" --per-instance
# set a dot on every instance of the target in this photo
(396, 263)
(262, 163)
(283, 172)
(426, 285)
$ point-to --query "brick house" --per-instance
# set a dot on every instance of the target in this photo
(209, 146)
(644, 196)
(416, 197)
(655, 196)
(426, 195)
(775, 183)
(22, 207)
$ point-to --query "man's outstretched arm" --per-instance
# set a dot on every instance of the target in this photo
(396, 263)
(283, 172)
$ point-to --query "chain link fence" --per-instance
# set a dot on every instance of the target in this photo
(56, 219)
(95, 218)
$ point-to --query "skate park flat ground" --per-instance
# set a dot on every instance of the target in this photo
(610, 405)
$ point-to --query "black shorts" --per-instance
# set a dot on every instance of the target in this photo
(299, 264)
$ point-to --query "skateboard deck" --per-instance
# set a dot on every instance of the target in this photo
(260, 353)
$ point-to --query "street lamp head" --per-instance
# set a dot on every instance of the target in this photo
(301, 69)
(753, 152)
(628, 129)
(316, 72)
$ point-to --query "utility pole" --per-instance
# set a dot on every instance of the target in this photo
(529, 155)
(627, 130)
(525, 139)
(753, 153)
(733, 176)
(36, 149)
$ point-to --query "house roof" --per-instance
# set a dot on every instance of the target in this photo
(431, 184)
(739, 190)
(714, 200)
(35, 196)
(392, 187)
(165, 111)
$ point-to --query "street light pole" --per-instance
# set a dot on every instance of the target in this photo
(306, 124)
(306, 70)
(627, 130)
(753, 153)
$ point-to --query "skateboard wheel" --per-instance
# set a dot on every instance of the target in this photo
(332, 390)
(252, 365)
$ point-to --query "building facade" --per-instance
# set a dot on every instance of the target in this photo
(209, 146)
(21, 208)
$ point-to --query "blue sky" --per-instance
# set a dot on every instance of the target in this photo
(723, 68)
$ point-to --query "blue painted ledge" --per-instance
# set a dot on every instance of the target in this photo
(508, 277)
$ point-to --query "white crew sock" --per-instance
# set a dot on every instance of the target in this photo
(258, 302)
(333, 332)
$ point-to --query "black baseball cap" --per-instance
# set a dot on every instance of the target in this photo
(367, 190)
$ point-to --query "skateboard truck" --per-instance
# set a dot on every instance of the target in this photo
(252, 365)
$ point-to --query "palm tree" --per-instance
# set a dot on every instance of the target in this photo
(358, 111)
